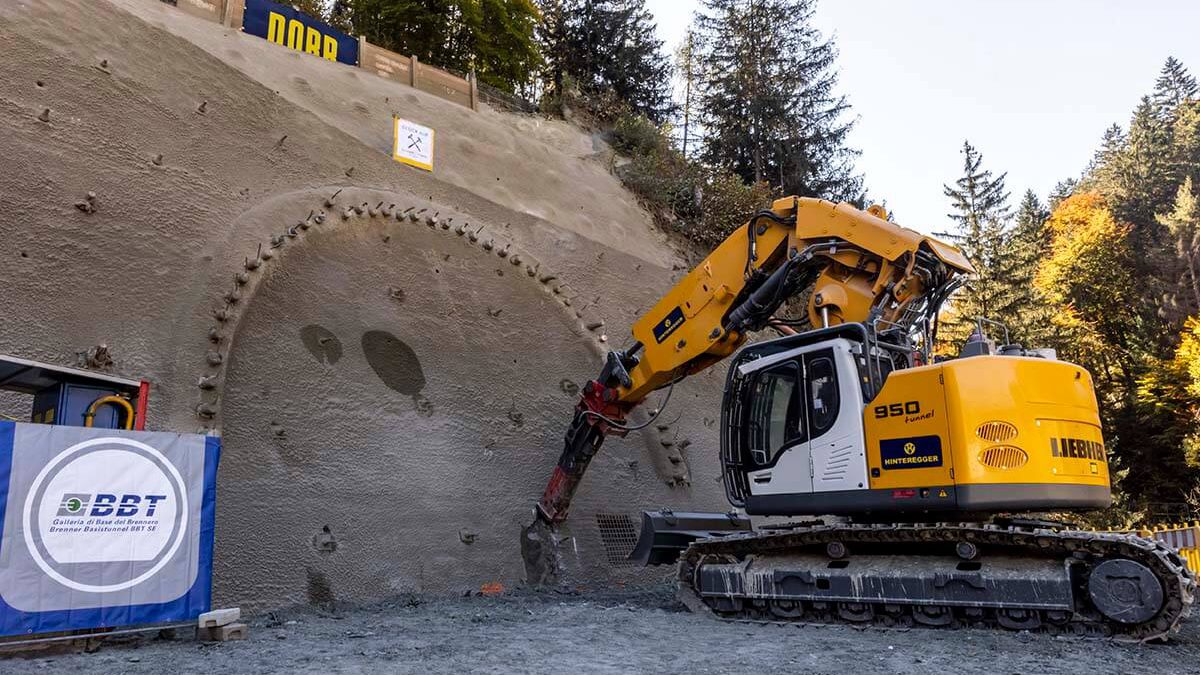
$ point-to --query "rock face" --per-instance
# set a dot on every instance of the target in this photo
(390, 356)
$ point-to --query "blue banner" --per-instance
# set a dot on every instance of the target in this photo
(102, 528)
(284, 25)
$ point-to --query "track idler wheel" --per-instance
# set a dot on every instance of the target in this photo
(787, 609)
(855, 612)
(1019, 619)
(1125, 591)
(933, 615)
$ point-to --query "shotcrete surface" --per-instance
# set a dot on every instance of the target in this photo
(642, 633)
(525, 163)
(393, 398)
(389, 413)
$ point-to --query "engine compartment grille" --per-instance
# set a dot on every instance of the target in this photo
(1003, 457)
(996, 431)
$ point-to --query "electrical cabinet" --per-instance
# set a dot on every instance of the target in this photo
(66, 404)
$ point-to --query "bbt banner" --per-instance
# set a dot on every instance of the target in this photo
(102, 528)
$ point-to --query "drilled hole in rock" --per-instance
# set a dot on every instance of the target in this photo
(321, 343)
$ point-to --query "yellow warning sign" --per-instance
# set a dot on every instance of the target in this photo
(412, 144)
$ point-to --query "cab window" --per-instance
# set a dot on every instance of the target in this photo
(774, 419)
(822, 394)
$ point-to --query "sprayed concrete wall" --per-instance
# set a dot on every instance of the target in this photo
(391, 392)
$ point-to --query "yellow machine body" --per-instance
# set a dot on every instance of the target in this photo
(988, 433)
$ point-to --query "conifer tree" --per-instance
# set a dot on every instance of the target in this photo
(688, 68)
(504, 50)
(1138, 178)
(1183, 227)
(1062, 190)
(639, 71)
(980, 209)
(494, 37)
(553, 39)
(608, 46)
(767, 98)
(1173, 86)
(1027, 244)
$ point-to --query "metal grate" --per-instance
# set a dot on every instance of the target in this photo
(1003, 457)
(619, 535)
(996, 432)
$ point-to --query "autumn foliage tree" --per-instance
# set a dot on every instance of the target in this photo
(1086, 273)
(1118, 276)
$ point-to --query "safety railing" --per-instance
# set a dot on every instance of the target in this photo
(1183, 537)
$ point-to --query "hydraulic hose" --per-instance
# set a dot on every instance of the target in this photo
(89, 417)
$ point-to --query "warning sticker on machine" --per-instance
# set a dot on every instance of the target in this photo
(919, 452)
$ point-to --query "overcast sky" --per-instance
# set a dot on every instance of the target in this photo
(1031, 83)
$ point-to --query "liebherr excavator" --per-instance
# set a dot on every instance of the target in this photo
(917, 458)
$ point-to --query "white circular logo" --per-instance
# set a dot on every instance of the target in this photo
(105, 502)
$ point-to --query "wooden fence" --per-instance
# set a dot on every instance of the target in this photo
(405, 69)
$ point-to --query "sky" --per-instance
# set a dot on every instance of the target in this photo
(1032, 84)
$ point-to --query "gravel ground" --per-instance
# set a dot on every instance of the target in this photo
(625, 633)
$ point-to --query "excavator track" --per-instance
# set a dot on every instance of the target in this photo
(1016, 576)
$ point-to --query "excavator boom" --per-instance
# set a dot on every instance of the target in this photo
(859, 266)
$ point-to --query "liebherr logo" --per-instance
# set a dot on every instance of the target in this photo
(1078, 448)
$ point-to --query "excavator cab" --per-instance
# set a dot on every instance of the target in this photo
(792, 422)
(839, 421)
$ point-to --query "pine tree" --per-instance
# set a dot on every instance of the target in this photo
(1028, 243)
(494, 37)
(1062, 190)
(419, 28)
(505, 51)
(612, 46)
(1183, 226)
(981, 212)
(767, 98)
(1139, 178)
(1173, 86)
(688, 68)
(640, 72)
(1030, 224)
(553, 39)
(1185, 137)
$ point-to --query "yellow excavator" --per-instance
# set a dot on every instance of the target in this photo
(929, 470)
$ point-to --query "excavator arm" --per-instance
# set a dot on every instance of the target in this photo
(859, 266)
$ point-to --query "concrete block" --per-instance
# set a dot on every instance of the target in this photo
(219, 617)
(232, 631)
